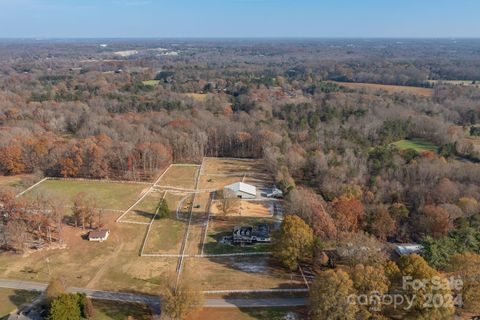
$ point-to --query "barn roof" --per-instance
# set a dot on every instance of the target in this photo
(243, 187)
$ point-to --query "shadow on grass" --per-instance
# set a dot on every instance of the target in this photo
(105, 309)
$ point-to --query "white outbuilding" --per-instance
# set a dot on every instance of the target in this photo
(241, 190)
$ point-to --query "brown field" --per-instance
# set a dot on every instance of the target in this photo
(228, 166)
(11, 299)
(210, 182)
(240, 273)
(201, 97)
(425, 92)
(257, 209)
(466, 83)
(180, 177)
(111, 265)
(18, 182)
(218, 172)
(249, 313)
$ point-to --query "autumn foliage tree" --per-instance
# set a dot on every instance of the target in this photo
(329, 297)
(294, 242)
(432, 221)
(313, 210)
(349, 212)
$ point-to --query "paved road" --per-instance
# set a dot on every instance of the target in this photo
(153, 301)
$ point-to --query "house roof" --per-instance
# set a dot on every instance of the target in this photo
(243, 187)
(98, 234)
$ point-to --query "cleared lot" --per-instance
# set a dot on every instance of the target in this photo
(241, 273)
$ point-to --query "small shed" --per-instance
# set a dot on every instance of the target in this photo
(241, 190)
(98, 235)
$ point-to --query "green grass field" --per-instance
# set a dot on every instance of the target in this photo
(11, 299)
(165, 236)
(151, 83)
(145, 210)
(112, 310)
(416, 144)
(117, 196)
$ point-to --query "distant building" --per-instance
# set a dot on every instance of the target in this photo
(98, 235)
(406, 249)
(250, 234)
(242, 190)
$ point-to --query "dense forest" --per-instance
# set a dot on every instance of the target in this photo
(125, 110)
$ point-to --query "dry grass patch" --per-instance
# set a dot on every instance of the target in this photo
(241, 273)
(113, 265)
(246, 208)
(271, 313)
(180, 177)
(229, 166)
(210, 182)
(425, 92)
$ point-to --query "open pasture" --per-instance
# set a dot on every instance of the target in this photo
(418, 145)
(110, 195)
(180, 176)
(420, 91)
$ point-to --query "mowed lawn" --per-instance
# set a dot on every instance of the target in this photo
(180, 177)
(113, 310)
(117, 196)
(418, 145)
(11, 299)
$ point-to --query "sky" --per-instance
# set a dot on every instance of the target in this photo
(239, 18)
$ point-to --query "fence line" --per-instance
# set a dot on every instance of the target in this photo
(30, 188)
(232, 254)
(100, 180)
(133, 222)
(255, 291)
